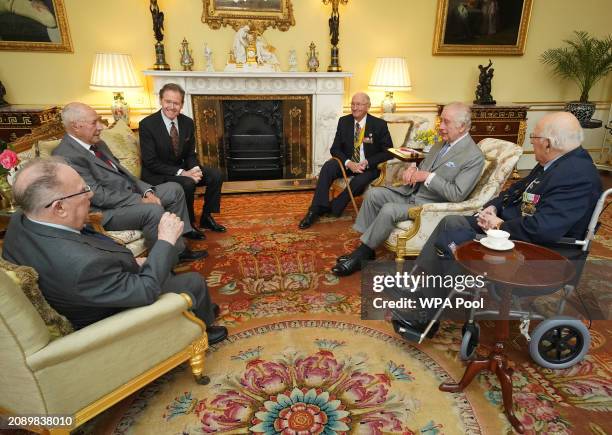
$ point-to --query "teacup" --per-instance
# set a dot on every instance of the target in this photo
(498, 238)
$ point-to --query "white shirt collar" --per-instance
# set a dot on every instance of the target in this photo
(362, 123)
(58, 226)
(457, 140)
(83, 144)
(547, 165)
(167, 121)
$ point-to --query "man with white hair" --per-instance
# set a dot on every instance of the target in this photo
(555, 200)
(85, 275)
(448, 174)
(126, 202)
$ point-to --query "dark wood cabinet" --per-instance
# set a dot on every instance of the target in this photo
(17, 120)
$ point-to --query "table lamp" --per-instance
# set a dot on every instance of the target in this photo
(390, 74)
(115, 72)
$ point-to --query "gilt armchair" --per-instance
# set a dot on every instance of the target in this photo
(84, 372)
(408, 237)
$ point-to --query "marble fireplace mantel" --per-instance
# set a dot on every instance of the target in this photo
(326, 89)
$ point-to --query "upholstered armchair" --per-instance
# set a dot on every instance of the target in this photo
(408, 237)
(124, 145)
(84, 372)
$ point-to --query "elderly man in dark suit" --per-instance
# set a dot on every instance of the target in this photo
(85, 275)
(555, 200)
(361, 143)
(126, 202)
(167, 145)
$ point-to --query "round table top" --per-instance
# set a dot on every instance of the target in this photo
(526, 265)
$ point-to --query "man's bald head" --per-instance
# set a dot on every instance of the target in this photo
(82, 122)
(36, 182)
(563, 131)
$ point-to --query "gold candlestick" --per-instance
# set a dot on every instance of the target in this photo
(334, 33)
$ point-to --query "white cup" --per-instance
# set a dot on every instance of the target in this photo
(498, 238)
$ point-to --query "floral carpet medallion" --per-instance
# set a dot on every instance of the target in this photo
(335, 378)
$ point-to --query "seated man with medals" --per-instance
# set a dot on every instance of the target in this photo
(554, 201)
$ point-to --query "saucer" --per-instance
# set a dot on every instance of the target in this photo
(507, 245)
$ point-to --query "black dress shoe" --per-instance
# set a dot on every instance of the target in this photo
(216, 310)
(216, 334)
(343, 258)
(207, 221)
(348, 267)
(411, 329)
(195, 235)
(308, 220)
(189, 255)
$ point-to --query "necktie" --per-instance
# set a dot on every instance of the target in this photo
(357, 139)
(441, 153)
(174, 137)
(99, 154)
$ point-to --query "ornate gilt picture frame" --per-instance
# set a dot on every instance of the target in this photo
(34, 26)
(260, 14)
(482, 27)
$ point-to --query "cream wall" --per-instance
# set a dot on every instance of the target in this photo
(368, 28)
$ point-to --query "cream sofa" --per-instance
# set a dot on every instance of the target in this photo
(82, 373)
(408, 237)
(124, 145)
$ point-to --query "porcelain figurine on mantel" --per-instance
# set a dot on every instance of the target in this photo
(293, 62)
(251, 52)
(186, 58)
(208, 58)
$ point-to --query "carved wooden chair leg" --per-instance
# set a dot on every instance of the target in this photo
(348, 185)
(196, 361)
(400, 248)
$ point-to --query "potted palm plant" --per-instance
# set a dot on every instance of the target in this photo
(585, 60)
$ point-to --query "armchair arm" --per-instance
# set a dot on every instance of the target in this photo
(393, 173)
(109, 330)
(95, 220)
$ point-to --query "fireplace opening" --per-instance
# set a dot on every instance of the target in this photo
(258, 142)
(254, 150)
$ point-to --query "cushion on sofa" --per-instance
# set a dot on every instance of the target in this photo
(27, 278)
(124, 145)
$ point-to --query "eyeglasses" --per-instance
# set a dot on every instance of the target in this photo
(87, 189)
(358, 104)
(531, 136)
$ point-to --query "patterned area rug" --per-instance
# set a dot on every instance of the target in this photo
(300, 361)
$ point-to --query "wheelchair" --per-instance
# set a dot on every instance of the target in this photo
(557, 342)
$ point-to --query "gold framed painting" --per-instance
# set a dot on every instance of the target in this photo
(482, 27)
(259, 14)
(39, 25)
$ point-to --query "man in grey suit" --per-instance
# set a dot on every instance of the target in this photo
(448, 174)
(126, 202)
(85, 275)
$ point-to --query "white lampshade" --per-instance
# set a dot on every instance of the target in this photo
(113, 72)
(391, 74)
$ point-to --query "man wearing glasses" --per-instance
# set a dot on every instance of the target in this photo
(126, 202)
(85, 275)
(361, 143)
(554, 201)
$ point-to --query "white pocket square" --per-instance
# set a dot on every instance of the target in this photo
(450, 164)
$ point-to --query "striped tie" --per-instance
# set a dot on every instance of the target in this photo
(174, 137)
(357, 144)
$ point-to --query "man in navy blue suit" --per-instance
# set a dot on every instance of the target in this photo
(361, 143)
(555, 200)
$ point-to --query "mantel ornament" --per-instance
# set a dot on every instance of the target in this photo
(277, 14)
(186, 58)
(158, 28)
(334, 34)
(251, 52)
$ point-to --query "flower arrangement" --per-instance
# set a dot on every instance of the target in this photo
(427, 137)
(8, 161)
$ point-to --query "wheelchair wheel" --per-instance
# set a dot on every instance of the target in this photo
(469, 341)
(559, 342)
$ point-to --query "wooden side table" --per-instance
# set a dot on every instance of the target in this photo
(17, 120)
(527, 266)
